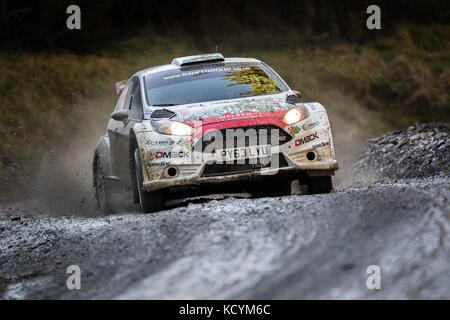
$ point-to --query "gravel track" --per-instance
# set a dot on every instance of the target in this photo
(306, 246)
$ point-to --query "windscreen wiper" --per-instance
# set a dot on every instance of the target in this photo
(164, 105)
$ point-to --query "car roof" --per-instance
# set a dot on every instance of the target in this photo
(174, 66)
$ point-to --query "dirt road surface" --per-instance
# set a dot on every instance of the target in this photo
(304, 246)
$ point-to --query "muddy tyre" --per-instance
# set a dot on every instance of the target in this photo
(104, 191)
(149, 201)
(317, 185)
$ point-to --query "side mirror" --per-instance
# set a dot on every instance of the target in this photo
(298, 93)
(120, 115)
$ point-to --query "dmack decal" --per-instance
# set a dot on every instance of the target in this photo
(306, 139)
(173, 154)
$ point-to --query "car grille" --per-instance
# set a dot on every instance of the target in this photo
(262, 131)
(235, 167)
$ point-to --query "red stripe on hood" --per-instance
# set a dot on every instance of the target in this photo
(232, 121)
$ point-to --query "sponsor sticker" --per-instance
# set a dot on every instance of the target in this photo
(160, 142)
(187, 143)
(309, 126)
(293, 130)
(204, 71)
(323, 144)
(306, 139)
(170, 155)
(268, 105)
(159, 164)
(236, 116)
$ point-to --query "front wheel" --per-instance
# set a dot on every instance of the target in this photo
(149, 201)
(104, 191)
(320, 185)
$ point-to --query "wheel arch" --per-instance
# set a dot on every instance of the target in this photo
(133, 144)
(102, 153)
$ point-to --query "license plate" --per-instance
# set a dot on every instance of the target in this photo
(241, 153)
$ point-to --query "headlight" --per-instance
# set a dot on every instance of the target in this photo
(180, 129)
(295, 115)
(174, 128)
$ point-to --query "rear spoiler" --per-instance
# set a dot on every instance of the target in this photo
(120, 85)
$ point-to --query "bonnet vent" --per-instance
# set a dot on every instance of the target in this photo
(161, 114)
(293, 99)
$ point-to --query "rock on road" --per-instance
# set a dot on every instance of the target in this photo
(296, 247)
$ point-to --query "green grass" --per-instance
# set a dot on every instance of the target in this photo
(386, 84)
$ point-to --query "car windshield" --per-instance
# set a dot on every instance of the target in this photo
(212, 82)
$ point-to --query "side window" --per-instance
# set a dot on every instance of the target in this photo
(124, 96)
(136, 101)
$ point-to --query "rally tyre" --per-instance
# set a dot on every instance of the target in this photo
(149, 201)
(318, 185)
(104, 191)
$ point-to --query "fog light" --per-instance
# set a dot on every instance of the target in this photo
(311, 156)
(172, 172)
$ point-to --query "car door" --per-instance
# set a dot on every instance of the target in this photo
(119, 131)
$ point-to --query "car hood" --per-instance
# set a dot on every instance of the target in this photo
(247, 111)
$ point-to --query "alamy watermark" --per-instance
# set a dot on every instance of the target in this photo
(74, 20)
(74, 280)
(374, 280)
(374, 20)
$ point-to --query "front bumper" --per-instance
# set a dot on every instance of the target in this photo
(309, 151)
(196, 179)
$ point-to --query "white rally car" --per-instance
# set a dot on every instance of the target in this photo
(207, 124)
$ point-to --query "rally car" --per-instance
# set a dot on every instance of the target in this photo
(203, 123)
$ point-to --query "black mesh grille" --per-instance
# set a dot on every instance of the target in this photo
(243, 138)
(221, 169)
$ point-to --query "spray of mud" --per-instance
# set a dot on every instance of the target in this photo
(349, 142)
(63, 183)
(349, 125)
